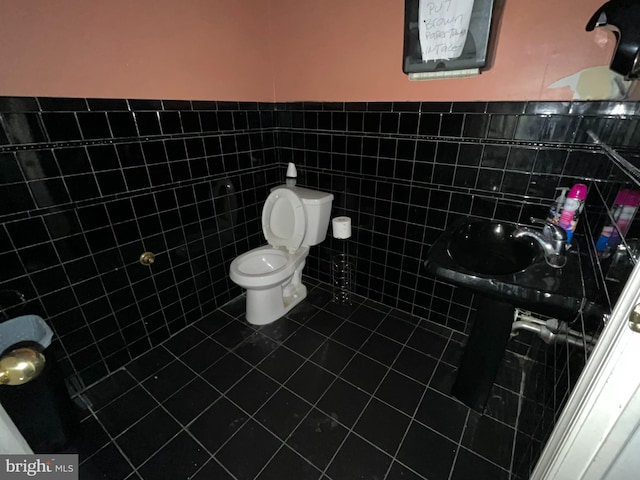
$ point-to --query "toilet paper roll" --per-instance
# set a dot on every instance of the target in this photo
(341, 227)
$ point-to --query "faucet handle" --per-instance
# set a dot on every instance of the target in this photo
(551, 230)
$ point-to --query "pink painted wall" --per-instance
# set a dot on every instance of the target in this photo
(329, 50)
(337, 50)
(187, 49)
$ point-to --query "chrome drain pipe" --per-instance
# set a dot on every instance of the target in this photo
(550, 330)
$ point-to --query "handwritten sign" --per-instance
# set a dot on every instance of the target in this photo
(443, 26)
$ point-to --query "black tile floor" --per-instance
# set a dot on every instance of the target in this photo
(328, 392)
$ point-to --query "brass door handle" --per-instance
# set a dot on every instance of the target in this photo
(634, 319)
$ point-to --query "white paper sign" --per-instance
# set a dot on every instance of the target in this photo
(443, 26)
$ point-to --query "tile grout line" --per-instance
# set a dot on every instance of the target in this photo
(350, 429)
(413, 417)
(372, 396)
(183, 428)
(250, 416)
(314, 405)
(455, 457)
(306, 358)
(282, 385)
(111, 441)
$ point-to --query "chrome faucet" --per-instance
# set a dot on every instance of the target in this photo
(552, 240)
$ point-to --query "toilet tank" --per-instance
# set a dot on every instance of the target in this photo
(318, 208)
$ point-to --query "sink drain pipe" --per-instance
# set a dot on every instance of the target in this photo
(550, 330)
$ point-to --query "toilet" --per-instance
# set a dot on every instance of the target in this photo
(293, 219)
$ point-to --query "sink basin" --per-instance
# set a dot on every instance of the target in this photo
(506, 272)
(489, 248)
(484, 256)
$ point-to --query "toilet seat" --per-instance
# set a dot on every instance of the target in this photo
(279, 230)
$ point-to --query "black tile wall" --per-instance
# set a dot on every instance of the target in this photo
(87, 185)
(404, 171)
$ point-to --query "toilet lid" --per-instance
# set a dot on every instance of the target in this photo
(284, 220)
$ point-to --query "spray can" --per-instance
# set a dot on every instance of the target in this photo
(623, 211)
(573, 205)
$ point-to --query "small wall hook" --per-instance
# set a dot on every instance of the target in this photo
(147, 258)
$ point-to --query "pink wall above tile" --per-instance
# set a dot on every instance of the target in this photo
(283, 50)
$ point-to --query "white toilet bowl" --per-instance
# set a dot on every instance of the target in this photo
(273, 279)
(293, 219)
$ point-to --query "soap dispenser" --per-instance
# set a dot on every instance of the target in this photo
(622, 17)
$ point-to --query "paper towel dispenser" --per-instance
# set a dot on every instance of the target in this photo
(442, 37)
(622, 17)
